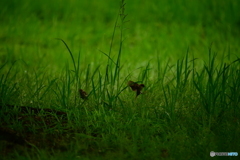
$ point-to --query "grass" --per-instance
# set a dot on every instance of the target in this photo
(189, 107)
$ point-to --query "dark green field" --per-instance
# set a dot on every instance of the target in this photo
(185, 54)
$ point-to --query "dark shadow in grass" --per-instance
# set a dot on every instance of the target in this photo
(26, 109)
(38, 128)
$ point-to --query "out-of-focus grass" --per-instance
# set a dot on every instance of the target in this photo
(164, 28)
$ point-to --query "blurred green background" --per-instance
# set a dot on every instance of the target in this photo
(164, 28)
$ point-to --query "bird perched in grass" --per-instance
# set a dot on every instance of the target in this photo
(136, 87)
(83, 94)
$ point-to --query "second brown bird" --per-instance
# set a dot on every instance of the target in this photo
(136, 87)
(83, 94)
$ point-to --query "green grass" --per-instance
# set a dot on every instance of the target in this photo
(185, 53)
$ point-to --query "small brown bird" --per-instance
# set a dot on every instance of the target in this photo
(136, 87)
(83, 94)
(164, 153)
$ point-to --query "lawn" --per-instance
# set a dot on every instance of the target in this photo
(182, 54)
